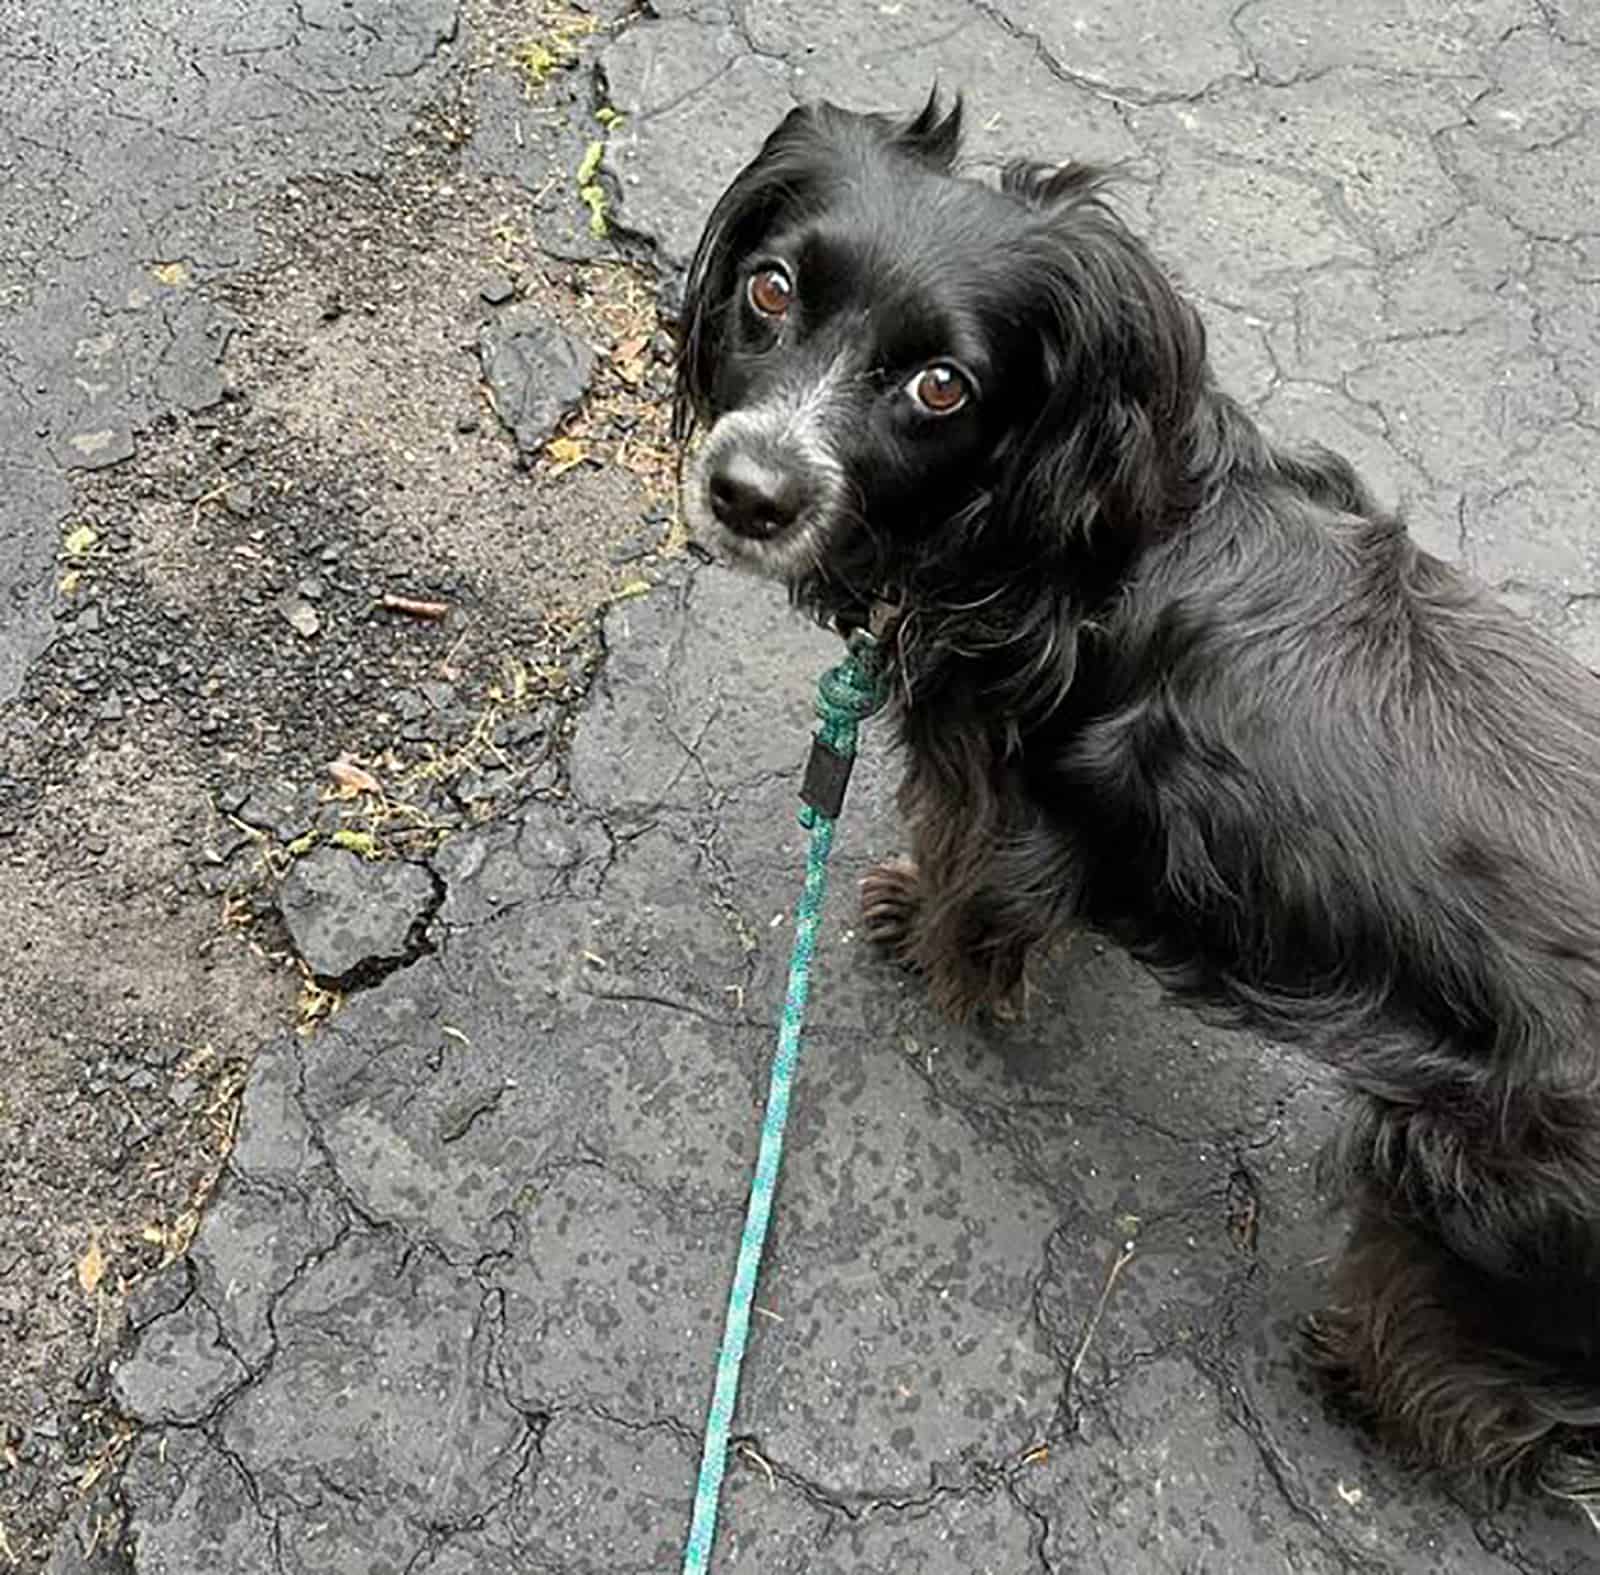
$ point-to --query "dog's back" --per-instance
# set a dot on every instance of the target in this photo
(1342, 759)
(1338, 789)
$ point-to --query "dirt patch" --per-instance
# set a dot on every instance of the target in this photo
(236, 613)
(130, 1016)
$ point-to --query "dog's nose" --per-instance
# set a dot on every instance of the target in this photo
(753, 498)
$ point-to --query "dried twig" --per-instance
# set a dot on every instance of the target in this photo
(755, 1459)
(414, 606)
(1124, 1258)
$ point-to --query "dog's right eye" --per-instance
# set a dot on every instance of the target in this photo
(940, 389)
(770, 291)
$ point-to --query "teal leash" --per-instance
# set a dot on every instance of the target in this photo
(846, 695)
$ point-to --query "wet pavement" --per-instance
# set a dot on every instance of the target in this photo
(1031, 1291)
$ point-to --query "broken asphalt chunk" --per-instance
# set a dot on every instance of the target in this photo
(538, 373)
(347, 915)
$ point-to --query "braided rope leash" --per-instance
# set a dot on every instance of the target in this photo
(846, 695)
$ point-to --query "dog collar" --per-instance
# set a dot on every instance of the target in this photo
(876, 618)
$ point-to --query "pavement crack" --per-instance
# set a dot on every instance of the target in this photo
(1281, 1469)
(966, 1480)
(996, 17)
(643, 117)
(1039, 1526)
(1122, 96)
(337, 1184)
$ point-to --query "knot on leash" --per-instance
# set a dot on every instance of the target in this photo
(846, 695)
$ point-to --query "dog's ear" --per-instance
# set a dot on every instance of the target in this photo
(745, 211)
(1123, 364)
(933, 134)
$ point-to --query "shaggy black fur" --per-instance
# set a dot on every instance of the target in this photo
(1159, 675)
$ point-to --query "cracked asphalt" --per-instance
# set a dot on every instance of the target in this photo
(372, 1157)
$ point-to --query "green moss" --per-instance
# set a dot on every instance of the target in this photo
(594, 199)
(362, 842)
(535, 59)
(556, 49)
(591, 193)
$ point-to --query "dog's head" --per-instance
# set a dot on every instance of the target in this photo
(905, 372)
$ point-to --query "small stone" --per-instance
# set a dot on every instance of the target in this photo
(239, 500)
(98, 449)
(411, 705)
(111, 709)
(517, 731)
(467, 421)
(343, 912)
(470, 786)
(497, 289)
(89, 619)
(311, 588)
(275, 807)
(301, 616)
(538, 371)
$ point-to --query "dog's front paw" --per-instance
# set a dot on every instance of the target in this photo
(1329, 1340)
(889, 898)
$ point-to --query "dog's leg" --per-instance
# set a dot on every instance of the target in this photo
(968, 909)
(1459, 1365)
(1396, 1337)
(970, 963)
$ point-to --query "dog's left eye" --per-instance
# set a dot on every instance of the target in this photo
(940, 389)
(770, 290)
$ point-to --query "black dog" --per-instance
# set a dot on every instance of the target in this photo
(1158, 675)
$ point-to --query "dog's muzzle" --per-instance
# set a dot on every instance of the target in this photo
(753, 495)
(769, 478)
